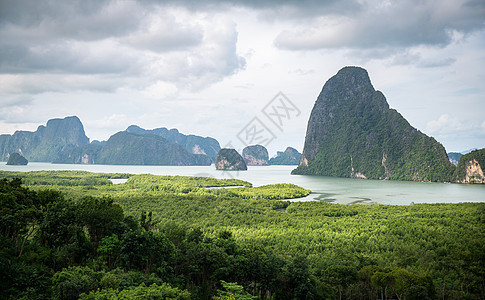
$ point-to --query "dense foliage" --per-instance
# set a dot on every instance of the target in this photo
(153, 239)
(476, 155)
(352, 132)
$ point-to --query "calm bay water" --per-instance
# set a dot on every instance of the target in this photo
(330, 189)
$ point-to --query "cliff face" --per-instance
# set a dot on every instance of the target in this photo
(255, 155)
(86, 154)
(125, 148)
(352, 132)
(192, 143)
(230, 159)
(471, 168)
(290, 156)
(46, 142)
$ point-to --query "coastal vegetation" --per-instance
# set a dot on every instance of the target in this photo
(73, 234)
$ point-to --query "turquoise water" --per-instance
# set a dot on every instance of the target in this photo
(330, 189)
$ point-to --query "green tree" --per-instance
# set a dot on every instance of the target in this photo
(100, 216)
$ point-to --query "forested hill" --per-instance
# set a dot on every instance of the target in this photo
(46, 142)
(352, 132)
(192, 143)
(64, 141)
(125, 148)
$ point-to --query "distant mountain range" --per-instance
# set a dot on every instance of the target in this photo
(64, 141)
(46, 142)
(191, 143)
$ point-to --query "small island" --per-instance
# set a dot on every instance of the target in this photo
(255, 155)
(16, 159)
(230, 159)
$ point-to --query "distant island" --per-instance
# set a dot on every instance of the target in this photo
(231, 160)
(290, 156)
(17, 159)
(256, 155)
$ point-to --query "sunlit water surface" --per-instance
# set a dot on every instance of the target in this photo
(329, 189)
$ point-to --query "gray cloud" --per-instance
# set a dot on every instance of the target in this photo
(387, 24)
(16, 101)
(98, 44)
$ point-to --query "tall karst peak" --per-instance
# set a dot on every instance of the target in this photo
(352, 132)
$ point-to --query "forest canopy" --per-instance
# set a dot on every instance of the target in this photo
(72, 234)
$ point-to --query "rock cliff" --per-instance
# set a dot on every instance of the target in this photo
(46, 142)
(352, 132)
(230, 159)
(255, 155)
(471, 168)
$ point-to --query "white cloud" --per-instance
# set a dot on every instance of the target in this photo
(443, 124)
(160, 90)
(113, 121)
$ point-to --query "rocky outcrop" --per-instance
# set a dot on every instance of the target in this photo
(230, 159)
(290, 156)
(46, 142)
(17, 159)
(192, 143)
(352, 132)
(255, 155)
(471, 168)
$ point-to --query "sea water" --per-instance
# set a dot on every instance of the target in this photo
(324, 188)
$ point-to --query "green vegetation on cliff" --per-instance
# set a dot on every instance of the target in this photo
(192, 143)
(290, 156)
(125, 148)
(475, 163)
(352, 132)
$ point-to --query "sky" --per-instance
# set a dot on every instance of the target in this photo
(227, 69)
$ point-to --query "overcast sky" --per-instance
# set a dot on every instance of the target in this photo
(211, 67)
